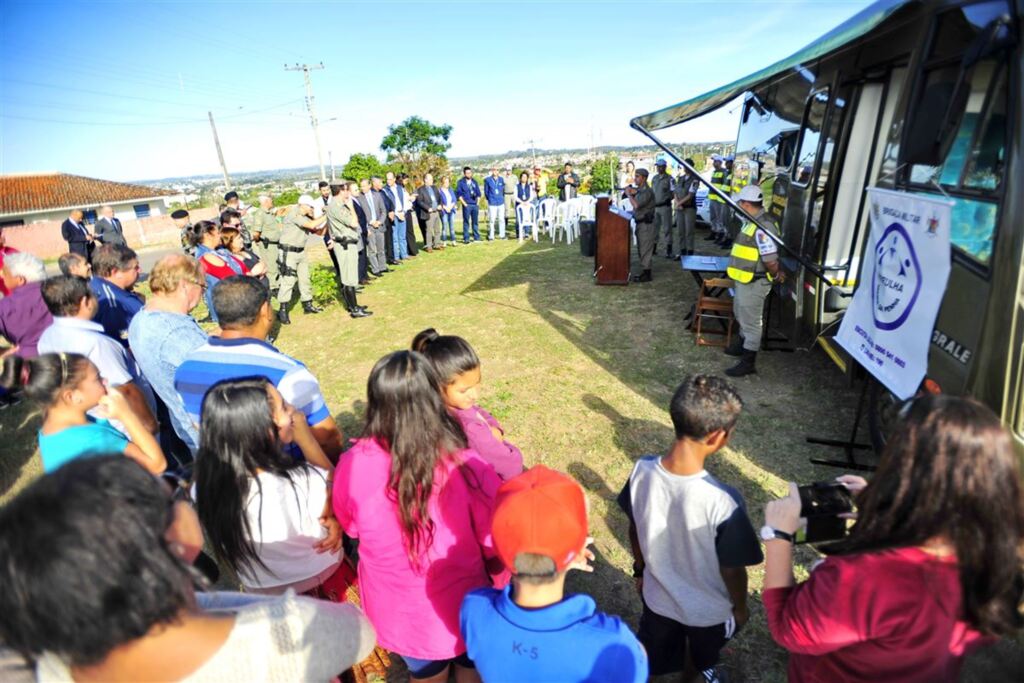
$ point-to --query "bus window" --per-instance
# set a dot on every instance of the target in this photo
(984, 169)
(949, 172)
(810, 136)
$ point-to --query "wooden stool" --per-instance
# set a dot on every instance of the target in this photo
(714, 303)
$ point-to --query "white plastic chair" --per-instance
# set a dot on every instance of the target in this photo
(546, 214)
(567, 220)
(526, 216)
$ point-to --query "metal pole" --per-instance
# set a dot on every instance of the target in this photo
(811, 267)
(311, 107)
(330, 159)
(220, 154)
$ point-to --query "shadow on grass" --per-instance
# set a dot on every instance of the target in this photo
(18, 434)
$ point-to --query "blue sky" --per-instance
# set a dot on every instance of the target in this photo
(120, 90)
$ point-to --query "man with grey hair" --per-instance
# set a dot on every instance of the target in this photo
(108, 227)
(428, 204)
(23, 313)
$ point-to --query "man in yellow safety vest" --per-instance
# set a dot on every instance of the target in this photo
(720, 181)
(753, 266)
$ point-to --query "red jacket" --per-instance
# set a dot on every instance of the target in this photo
(892, 615)
(5, 250)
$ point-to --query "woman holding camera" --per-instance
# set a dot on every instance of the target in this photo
(931, 570)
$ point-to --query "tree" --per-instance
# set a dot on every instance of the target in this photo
(417, 145)
(287, 198)
(362, 167)
(604, 174)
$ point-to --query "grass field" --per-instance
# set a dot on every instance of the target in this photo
(580, 376)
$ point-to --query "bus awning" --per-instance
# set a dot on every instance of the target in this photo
(852, 29)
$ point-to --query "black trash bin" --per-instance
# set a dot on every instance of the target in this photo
(588, 232)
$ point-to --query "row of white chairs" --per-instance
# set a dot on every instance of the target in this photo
(556, 218)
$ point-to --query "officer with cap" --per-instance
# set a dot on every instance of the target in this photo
(266, 235)
(232, 201)
(292, 260)
(661, 185)
(753, 266)
(642, 198)
(718, 206)
(183, 223)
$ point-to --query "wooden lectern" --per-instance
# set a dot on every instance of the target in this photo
(611, 253)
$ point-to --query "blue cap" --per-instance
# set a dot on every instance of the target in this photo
(731, 157)
(716, 157)
(661, 162)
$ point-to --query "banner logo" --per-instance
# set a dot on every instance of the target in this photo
(897, 278)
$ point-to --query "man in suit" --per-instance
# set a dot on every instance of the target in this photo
(373, 207)
(396, 214)
(108, 228)
(428, 204)
(364, 270)
(377, 186)
(78, 237)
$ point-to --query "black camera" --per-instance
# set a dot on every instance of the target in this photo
(821, 503)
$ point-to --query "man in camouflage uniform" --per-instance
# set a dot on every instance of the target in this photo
(292, 260)
(661, 185)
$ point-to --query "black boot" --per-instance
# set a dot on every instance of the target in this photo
(354, 309)
(745, 366)
(310, 307)
(735, 347)
(282, 315)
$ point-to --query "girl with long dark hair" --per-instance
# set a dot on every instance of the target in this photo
(68, 386)
(420, 504)
(458, 367)
(266, 515)
(931, 569)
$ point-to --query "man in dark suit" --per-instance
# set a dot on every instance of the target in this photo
(428, 204)
(372, 204)
(108, 228)
(364, 277)
(378, 189)
(78, 237)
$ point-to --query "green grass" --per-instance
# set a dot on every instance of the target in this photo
(580, 376)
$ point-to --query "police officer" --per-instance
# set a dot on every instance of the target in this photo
(292, 260)
(661, 185)
(718, 206)
(183, 223)
(729, 219)
(232, 202)
(753, 266)
(685, 201)
(266, 234)
(642, 198)
(346, 238)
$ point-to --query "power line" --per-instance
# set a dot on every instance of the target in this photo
(142, 123)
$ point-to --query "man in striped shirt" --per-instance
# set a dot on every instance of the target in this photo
(243, 309)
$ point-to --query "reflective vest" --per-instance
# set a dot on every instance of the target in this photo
(719, 180)
(745, 257)
(739, 183)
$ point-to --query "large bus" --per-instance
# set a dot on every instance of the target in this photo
(923, 97)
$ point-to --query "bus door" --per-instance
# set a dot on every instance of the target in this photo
(842, 236)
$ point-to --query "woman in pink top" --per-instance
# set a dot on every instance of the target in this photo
(420, 504)
(459, 369)
(931, 570)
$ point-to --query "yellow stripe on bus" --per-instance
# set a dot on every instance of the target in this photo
(832, 353)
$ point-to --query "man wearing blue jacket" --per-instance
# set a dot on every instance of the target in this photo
(494, 192)
(468, 194)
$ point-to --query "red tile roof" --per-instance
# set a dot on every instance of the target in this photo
(26, 192)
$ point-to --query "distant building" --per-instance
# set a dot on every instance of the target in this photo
(27, 198)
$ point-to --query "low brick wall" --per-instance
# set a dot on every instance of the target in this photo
(44, 240)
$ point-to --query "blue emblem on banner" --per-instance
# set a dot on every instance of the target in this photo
(898, 278)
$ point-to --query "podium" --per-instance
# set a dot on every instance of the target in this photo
(611, 255)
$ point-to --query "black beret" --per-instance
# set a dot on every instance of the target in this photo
(180, 213)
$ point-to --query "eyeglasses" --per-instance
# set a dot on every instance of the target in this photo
(201, 285)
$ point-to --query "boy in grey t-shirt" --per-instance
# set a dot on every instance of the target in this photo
(691, 537)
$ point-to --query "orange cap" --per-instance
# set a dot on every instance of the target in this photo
(541, 511)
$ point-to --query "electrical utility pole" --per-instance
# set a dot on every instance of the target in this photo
(305, 69)
(533, 151)
(220, 154)
(330, 160)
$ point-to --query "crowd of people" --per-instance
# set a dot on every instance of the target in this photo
(158, 440)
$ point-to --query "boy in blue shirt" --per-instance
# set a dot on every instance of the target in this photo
(691, 537)
(530, 631)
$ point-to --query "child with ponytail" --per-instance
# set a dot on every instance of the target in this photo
(459, 369)
(68, 385)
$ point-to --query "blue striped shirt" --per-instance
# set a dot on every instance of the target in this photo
(219, 359)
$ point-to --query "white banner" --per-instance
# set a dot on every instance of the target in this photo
(888, 327)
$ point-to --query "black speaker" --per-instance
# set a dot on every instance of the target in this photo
(587, 235)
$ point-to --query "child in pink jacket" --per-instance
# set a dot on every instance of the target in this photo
(459, 368)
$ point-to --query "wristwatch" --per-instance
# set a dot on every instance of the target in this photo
(770, 534)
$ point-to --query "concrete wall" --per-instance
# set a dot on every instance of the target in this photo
(44, 240)
(122, 210)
